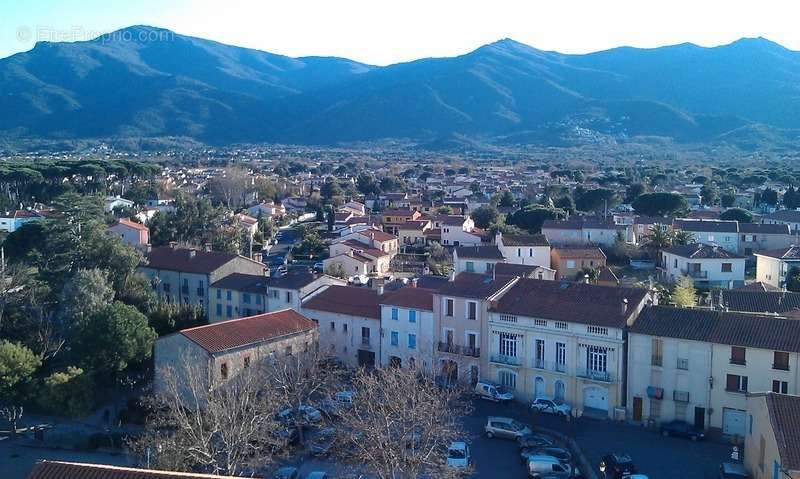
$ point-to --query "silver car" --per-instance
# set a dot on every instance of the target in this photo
(505, 427)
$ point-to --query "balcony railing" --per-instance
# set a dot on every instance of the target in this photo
(451, 348)
(503, 359)
(560, 367)
(696, 274)
(604, 376)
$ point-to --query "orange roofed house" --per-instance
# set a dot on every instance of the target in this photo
(131, 233)
(222, 349)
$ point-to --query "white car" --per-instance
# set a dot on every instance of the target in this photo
(458, 455)
(551, 406)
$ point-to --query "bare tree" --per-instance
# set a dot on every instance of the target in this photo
(230, 187)
(223, 430)
(401, 424)
(12, 414)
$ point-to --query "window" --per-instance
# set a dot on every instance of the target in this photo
(344, 327)
(219, 294)
(288, 296)
(538, 358)
(228, 295)
(780, 361)
(655, 408)
(680, 396)
(333, 326)
(657, 353)
(223, 370)
(273, 293)
(246, 298)
(676, 263)
(508, 344)
(736, 383)
(219, 309)
(365, 336)
(781, 387)
(229, 311)
(247, 361)
(412, 341)
(738, 355)
(412, 316)
(448, 307)
(395, 314)
(561, 355)
(472, 310)
(683, 363)
(395, 338)
(470, 267)
(597, 359)
(288, 350)
(727, 267)
(472, 341)
(507, 379)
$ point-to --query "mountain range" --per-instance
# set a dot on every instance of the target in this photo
(148, 82)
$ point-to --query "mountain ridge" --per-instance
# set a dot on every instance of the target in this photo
(144, 81)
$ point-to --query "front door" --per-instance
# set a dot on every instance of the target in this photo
(366, 358)
(637, 409)
(700, 417)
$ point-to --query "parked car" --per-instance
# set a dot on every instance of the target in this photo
(319, 267)
(617, 465)
(323, 442)
(286, 473)
(541, 465)
(682, 429)
(505, 427)
(732, 470)
(492, 392)
(551, 406)
(559, 453)
(458, 455)
(534, 440)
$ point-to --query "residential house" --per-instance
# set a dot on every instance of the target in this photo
(563, 340)
(524, 249)
(111, 203)
(772, 267)
(393, 218)
(131, 233)
(476, 259)
(524, 271)
(354, 207)
(267, 209)
(183, 275)
(460, 312)
(582, 230)
(407, 324)
(460, 231)
(412, 233)
(643, 226)
(349, 320)
(12, 221)
(222, 350)
(289, 290)
(697, 365)
(784, 217)
(711, 232)
(247, 223)
(707, 266)
(568, 262)
(377, 239)
(755, 238)
(772, 443)
(353, 251)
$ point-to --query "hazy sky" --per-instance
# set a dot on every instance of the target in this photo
(382, 32)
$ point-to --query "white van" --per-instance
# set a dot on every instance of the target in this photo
(541, 465)
(492, 392)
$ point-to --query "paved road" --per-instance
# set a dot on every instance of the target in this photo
(657, 457)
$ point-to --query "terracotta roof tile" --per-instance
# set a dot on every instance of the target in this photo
(784, 415)
(524, 240)
(412, 298)
(187, 260)
(349, 300)
(250, 330)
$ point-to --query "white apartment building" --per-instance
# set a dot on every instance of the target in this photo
(707, 266)
(524, 249)
(408, 338)
(773, 266)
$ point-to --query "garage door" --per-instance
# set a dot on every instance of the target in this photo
(733, 422)
(595, 398)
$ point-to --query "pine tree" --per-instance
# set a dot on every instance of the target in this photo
(683, 294)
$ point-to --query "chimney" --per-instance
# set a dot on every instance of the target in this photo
(257, 257)
(173, 244)
(207, 247)
(624, 306)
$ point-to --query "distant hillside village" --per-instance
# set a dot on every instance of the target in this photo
(646, 295)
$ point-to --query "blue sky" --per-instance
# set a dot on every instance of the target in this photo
(383, 32)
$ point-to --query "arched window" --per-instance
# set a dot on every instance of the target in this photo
(560, 391)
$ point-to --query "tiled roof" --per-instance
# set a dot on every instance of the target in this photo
(364, 248)
(580, 222)
(581, 253)
(757, 287)
(293, 280)
(349, 300)
(72, 470)
(764, 229)
(250, 330)
(474, 285)
(791, 216)
(378, 235)
(132, 224)
(701, 251)
(479, 252)
(760, 302)
(790, 252)
(182, 259)
(452, 220)
(573, 302)
(249, 283)
(735, 329)
(412, 298)
(784, 415)
(415, 225)
(512, 269)
(715, 226)
(524, 240)
(397, 212)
